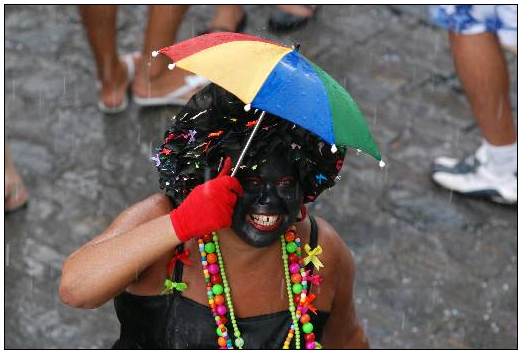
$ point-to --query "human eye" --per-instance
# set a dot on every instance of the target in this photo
(252, 183)
(286, 181)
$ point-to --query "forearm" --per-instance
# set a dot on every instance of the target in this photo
(98, 271)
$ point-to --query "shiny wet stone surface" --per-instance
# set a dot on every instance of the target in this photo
(434, 270)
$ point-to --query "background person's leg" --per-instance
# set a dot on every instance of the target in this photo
(100, 24)
(153, 78)
(491, 172)
(483, 73)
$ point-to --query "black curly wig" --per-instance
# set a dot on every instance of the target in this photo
(214, 125)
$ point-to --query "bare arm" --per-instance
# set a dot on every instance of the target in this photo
(342, 329)
(106, 265)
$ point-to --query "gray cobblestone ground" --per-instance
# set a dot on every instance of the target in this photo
(434, 270)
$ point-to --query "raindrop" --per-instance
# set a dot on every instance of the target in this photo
(455, 312)
(505, 287)
(486, 317)
(414, 330)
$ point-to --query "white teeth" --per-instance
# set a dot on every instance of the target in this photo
(264, 220)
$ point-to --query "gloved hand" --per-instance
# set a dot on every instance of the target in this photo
(208, 207)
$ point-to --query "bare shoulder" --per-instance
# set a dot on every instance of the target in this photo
(335, 253)
(330, 241)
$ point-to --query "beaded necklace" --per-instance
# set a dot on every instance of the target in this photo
(296, 278)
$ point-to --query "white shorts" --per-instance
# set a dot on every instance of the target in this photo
(474, 19)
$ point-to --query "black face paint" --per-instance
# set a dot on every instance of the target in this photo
(270, 204)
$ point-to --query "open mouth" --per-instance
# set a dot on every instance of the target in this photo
(265, 222)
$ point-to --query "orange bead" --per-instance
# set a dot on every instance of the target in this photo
(289, 236)
(211, 258)
(221, 341)
(296, 278)
(219, 299)
(304, 318)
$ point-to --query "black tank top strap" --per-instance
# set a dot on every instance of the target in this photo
(177, 275)
(313, 237)
(313, 242)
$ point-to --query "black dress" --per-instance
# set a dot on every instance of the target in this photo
(172, 321)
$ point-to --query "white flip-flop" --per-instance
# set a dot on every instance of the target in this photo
(175, 97)
(128, 60)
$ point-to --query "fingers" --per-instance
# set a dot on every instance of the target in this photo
(226, 167)
(236, 187)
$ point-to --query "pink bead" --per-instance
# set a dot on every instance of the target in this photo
(294, 268)
(310, 345)
(213, 269)
(221, 310)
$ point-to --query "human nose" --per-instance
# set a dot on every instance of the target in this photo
(268, 194)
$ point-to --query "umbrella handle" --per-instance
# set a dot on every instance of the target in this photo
(243, 153)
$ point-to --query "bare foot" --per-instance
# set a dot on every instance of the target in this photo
(114, 88)
(160, 84)
(15, 194)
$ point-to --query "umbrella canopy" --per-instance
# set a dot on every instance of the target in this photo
(277, 79)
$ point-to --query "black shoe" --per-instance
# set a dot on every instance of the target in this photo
(282, 21)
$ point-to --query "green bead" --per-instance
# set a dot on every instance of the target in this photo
(209, 247)
(297, 288)
(292, 308)
(217, 289)
(237, 334)
(307, 328)
(291, 247)
(239, 342)
(219, 333)
(226, 290)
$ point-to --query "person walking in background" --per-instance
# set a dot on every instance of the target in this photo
(477, 33)
(151, 82)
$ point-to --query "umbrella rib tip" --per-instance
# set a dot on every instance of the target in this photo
(155, 53)
(171, 66)
(381, 163)
(247, 107)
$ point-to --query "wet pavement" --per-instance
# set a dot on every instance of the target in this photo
(434, 270)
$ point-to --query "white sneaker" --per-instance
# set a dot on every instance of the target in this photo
(471, 177)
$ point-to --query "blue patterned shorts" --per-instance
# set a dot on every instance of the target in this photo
(474, 19)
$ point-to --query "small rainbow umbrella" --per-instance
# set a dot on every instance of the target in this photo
(277, 79)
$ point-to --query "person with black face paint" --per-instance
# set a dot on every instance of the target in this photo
(221, 261)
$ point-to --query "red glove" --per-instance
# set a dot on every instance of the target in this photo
(208, 207)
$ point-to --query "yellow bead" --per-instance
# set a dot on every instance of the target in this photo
(290, 335)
